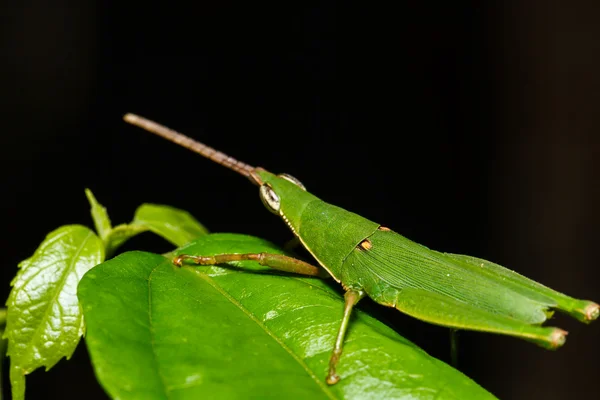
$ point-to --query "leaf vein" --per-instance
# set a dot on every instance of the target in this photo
(211, 282)
(61, 283)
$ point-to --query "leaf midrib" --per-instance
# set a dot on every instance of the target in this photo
(61, 283)
(309, 371)
(212, 283)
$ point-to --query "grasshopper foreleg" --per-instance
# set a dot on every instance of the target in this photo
(275, 261)
(351, 298)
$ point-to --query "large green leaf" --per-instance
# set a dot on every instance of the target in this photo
(177, 226)
(156, 331)
(44, 320)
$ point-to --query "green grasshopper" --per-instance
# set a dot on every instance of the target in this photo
(368, 259)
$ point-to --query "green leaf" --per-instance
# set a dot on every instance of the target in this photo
(44, 320)
(120, 234)
(156, 331)
(177, 226)
(99, 215)
(3, 345)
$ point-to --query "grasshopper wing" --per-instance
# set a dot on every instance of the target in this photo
(390, 263)
(583, 310)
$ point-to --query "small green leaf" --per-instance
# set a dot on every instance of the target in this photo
(44, 320)
(120, 234)
(175, 225)
(156, 331)
(99, 215)
(3, 345)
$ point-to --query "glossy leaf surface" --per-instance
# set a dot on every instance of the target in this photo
(157, 331)
(175, 225)
(44, 320)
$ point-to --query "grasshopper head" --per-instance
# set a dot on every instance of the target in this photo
(283, 195)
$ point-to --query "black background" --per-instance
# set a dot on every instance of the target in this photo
(469, 128)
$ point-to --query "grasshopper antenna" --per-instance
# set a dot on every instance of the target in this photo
(197, 147)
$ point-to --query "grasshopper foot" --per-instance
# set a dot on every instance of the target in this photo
(332, 376)
(332, 379)
(178, 260)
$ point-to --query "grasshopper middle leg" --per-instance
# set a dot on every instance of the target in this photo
(351, 298)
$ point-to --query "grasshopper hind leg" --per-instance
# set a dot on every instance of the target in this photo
(442, 310)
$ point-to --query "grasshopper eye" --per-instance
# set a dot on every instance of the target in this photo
(295, 181)
(269, 198)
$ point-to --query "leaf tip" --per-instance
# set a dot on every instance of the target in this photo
(90, 196)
